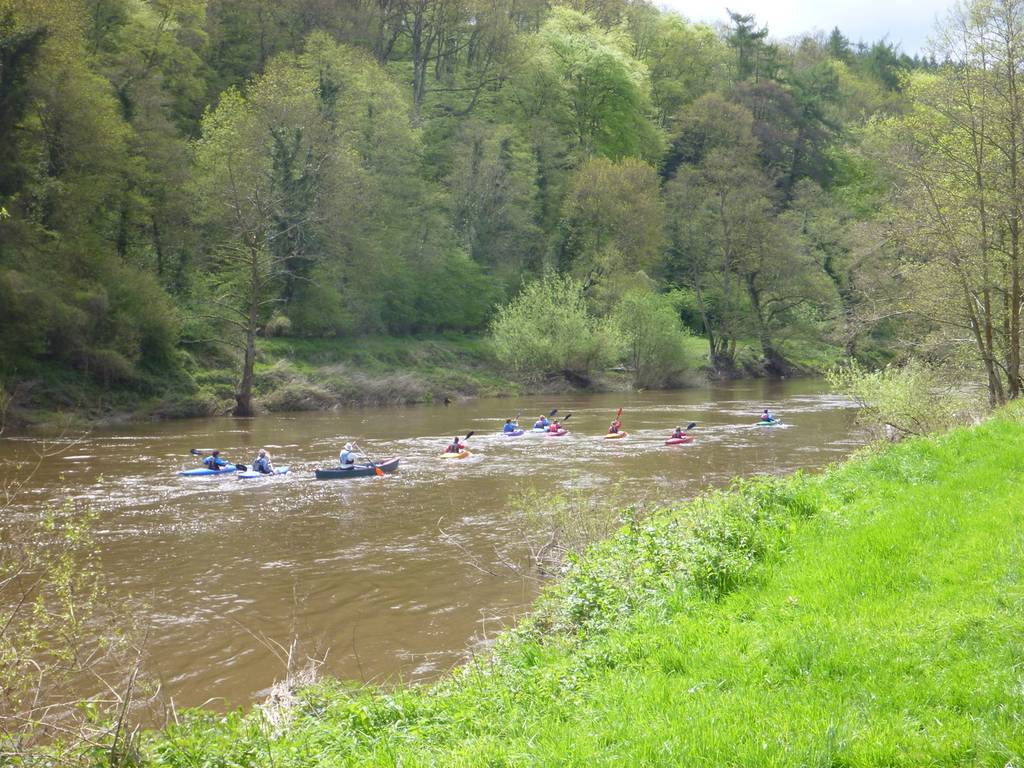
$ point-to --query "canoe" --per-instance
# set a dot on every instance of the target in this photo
(459, 455)
(559, 433)
(356, 470)
(515, 433)
(615, 435)
(679, 440)
(253, 474)
(774, 423)
(230, 469)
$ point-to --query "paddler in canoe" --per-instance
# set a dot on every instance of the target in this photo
(555, 427)
(615, 427)
(215, 462)
(678, 434)
(767, 416)
(455, 446)
(510, 426)
(542, 422)
(348, 456)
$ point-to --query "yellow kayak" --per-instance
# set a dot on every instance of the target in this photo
(615, 435)
(459, 455)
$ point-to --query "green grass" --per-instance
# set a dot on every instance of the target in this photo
(870, 616)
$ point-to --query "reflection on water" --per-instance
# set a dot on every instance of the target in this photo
(359, 568)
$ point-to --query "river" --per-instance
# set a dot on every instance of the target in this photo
(360, 570)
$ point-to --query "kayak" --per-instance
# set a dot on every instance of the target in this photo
(356, 470)
(515, 433)
(229, 469)
(615, 435)
(539, 430)
(559, 433)
(679, 440)
(459, 455)
(774, 423)
(253, 474)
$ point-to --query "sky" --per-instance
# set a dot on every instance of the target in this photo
(907, 23)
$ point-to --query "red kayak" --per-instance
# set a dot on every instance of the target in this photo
(559, 433)
(679, 440)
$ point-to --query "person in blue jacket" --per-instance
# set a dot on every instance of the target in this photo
(542, 422)
(263, 464)
(215, 462)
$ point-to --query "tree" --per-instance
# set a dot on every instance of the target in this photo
(959, 206)
(258, 165)
(755, 58)
(583, 80)
(613, 221)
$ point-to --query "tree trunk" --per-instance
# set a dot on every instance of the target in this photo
(243, 398)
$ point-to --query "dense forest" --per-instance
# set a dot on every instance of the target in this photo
(180, 178)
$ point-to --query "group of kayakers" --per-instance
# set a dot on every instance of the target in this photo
(350, 454)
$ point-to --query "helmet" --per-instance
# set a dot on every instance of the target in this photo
(263, 451)
(348, 446)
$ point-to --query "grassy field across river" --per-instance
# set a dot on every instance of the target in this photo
(872, 615)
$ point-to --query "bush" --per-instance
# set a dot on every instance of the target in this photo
(654, 335)
(898, 401)
(546, 329)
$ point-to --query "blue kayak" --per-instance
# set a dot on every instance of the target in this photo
(230, 469)
(252, 474)
(772, 423)
(514, 433)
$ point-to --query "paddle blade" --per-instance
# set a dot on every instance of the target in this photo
(553, 412)
(567, 416)
(241, 467)
(618, 414)
(378, 471)
(691, 425)
(200, 451)
(469, 436)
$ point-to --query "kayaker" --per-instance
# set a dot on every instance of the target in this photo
(615, 427)
(455, 446)
(215, 462)
(555, 427)
(348, 455)
(542, 422)
(678, 433)
(766, 415)
(263, 464)
(510, 426)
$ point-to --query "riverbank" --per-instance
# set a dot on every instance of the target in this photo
(871, 615)
(327, 374)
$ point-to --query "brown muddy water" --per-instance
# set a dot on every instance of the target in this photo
(359, 569)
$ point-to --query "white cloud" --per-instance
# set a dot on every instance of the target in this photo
(907, 23)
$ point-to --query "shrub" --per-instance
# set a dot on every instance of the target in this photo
(897, 401)
(654, 335)
(546, 329)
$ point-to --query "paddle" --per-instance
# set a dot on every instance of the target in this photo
(376, 470)
(553, 412)
(690, 426)
(200, 451)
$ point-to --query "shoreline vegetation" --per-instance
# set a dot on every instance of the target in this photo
(868, 615)
(294, 375)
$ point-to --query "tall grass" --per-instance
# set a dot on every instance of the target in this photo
(873, 615)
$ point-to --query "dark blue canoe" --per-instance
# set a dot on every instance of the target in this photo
(356, 470)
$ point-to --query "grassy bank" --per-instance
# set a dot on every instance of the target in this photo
(873, 615)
